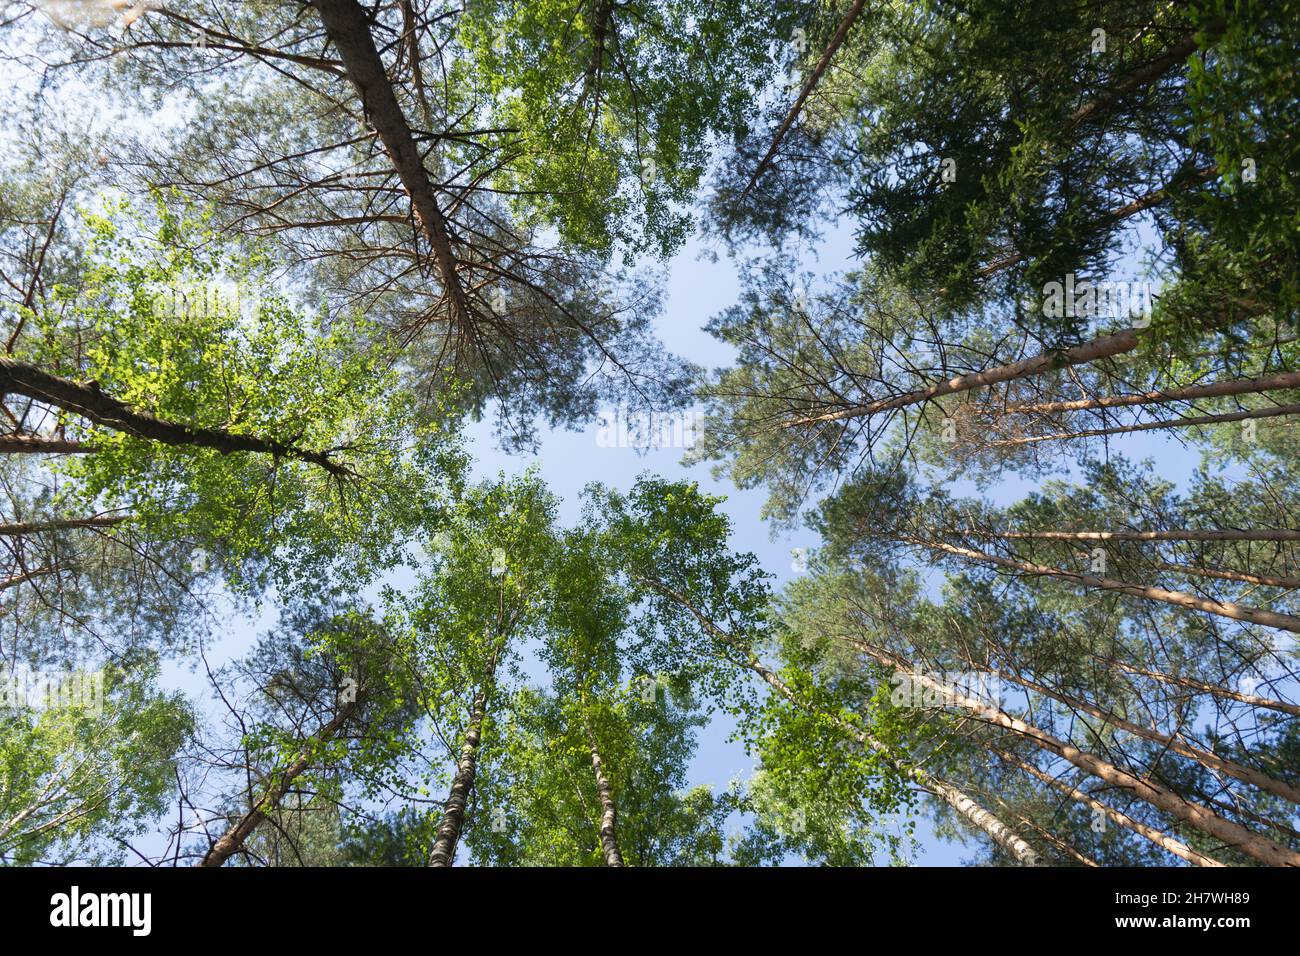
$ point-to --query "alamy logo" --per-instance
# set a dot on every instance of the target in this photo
(103, 909)
(1084, 298)
(623, 428)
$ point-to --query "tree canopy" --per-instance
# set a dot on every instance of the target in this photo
(1015, 340)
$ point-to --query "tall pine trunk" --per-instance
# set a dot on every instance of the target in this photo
(1177, 847)
(1230, 833)
(1181, 534)
(1226, 609)
(1104, 347)
(1249, 414)
(1256, 579)
(347, 24)
(23, 528)
(1245, 386)
(1204, 687)
(1174, 743)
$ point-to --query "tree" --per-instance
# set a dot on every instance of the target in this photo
(461, 174)
(985, 151)
(482, 598)
(321, 707)
(88, 760)
(672, 543)
(553, 798)
(230, 424)
(1103, 681)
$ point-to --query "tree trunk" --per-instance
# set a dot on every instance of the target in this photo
(608, 810)
(21, 378)
(805, 91)
(1257, 579)
(1143, 75)
(1051, 838)
(1245, 386)
(1204, 819)
(14, 580)
(232, 841)
(1250, 414)
(348, 28)
(1162, 840)
(1104, 347)
(1205, 758)
(1235, 612)
(1141, 204)
(443, 852)
(36, 445)
(1215, 690)
(977, 816)
(1101, 105)
(1231, 534)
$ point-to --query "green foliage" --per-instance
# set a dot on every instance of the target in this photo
(612, 107)
(83, 775)
(538, 804)
(1243, 103)
(153, 327)
(307, 458)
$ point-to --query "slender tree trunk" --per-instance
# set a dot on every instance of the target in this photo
(808, 86)
(1262, 580)
(608, 810)
(1100, 348)
(443, 852)
(1226, 609)
(21, 378)
(600, 23)
(19, 529)
(1249, 414)
(1230, 534)
(1162, 840)
(979, 817)
(1215, 690)
(1205, 758)
(1245, 386)
(232, 841)
(1193, 814)
(1236, 807)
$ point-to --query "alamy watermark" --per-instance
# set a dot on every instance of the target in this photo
(76, 908)
(1089, 299)
(621, 428)
(939, 688)
(23, 688)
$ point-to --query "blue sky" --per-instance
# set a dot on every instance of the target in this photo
(697, 288)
